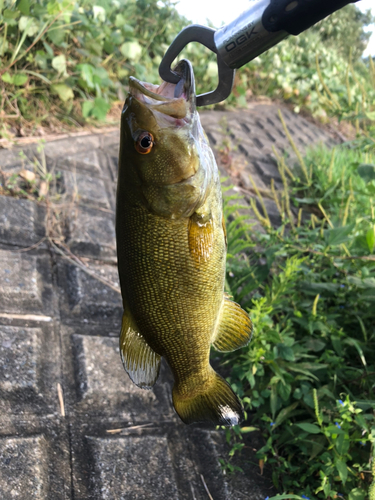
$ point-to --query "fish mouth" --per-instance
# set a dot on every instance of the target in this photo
(175, 102)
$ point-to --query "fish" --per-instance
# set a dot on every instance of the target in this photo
(171, 247)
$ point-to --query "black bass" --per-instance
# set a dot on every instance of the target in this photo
(171, 245)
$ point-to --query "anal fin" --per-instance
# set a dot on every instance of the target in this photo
(141, 363)
(234, 329)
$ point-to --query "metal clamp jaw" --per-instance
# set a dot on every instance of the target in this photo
(264, 24)
(205, 36)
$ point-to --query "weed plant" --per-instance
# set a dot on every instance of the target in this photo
(308, 375)
(64, 62)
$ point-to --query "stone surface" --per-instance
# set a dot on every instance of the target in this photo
(103, 387)
(24, 469)
(86, 298)
(138, 468)
(72, 424)
(89, 190)
(35, 467)
(28, 369)
(21, 222)
(25, 282)
(92, 233)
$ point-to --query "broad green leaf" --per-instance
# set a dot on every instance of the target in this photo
(354, 280)
(324, 391)
(310, 428)
(284, 391)
(59, 64)
(108, 47)
(23, 6)
(86, 108)
(286, 352)
(365, 283)
(10, 15)
(120, 21)
(100, 77)
(314, 344)
(357, 494)
(94, 46)
(100, 108)
(131, 50)
(7, 77)
(284, 413)
(41, 59)
(334, 430)
(370, 115)
(336, 342)
(366, 171)
(56, 36)
(318, 446)
(63, 91)
(342, 470)
(19, 79)
(87, 73)
(338, 235)
(39, 10)
(342, 445)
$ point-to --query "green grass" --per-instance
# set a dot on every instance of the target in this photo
(307, 378)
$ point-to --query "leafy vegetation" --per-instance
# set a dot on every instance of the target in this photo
(308, 375)
(344, 31)
(67, 63)
(71, 60)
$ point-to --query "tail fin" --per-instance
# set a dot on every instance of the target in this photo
(217, 404)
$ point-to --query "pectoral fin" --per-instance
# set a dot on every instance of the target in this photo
(201, 237)
(140, 362)
(235, 327)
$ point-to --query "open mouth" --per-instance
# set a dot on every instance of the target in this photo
(176, 101)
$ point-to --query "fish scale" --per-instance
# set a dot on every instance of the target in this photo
(162, 287)
(171, 246)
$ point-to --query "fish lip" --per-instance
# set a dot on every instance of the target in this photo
(185, 88)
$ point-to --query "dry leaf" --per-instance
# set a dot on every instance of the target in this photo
(27, 175)
(261, 465)
(43, 190)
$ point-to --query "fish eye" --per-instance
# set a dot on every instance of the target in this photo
(144, 143)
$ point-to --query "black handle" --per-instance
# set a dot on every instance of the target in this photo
(295, 16)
